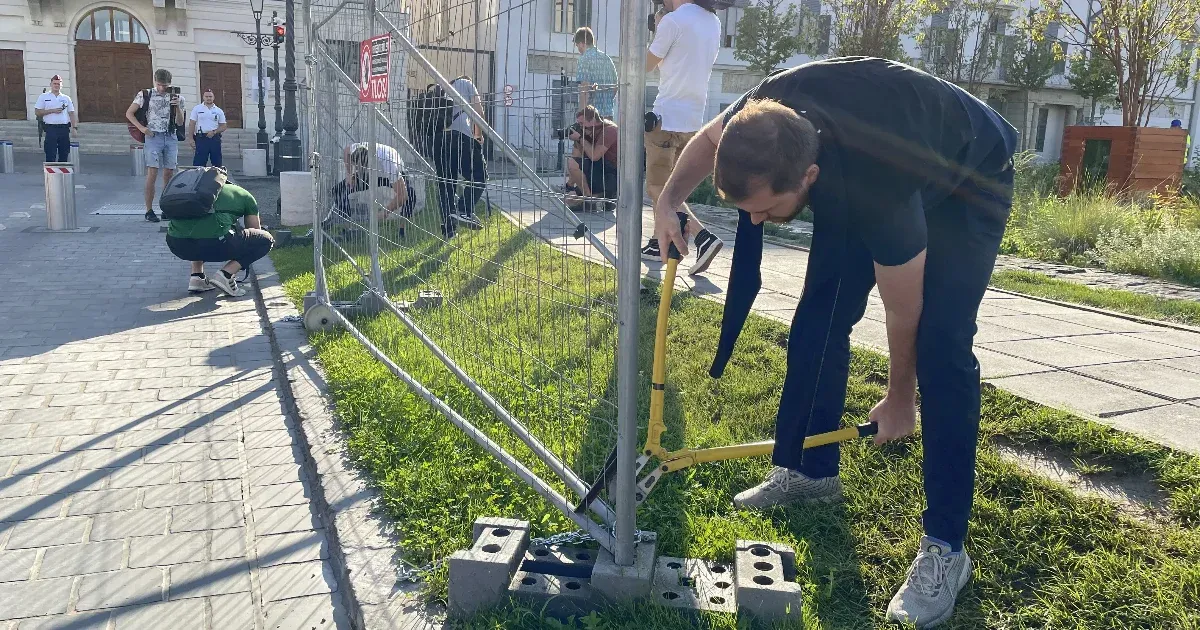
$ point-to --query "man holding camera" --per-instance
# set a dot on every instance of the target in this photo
(59, 118)
(158, 113)
(594, 172)
(687, 37)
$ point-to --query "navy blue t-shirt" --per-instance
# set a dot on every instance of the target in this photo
(893, 141)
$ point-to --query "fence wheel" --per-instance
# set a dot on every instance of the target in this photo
(319, 318)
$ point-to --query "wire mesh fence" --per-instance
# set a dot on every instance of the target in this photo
(443, 216)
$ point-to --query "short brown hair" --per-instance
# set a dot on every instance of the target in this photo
(585, 36)
(589, 113)
(162, 75)
(765, 142)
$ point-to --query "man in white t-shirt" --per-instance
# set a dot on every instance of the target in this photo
(686, 41)
(458, 154)
(58, 115)
(390, 193)
(205, 126)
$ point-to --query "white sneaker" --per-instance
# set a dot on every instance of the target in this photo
(229, 285)
(199, 285)
(928, 594)
(786, 486)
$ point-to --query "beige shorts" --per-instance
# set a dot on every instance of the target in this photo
(662, 152)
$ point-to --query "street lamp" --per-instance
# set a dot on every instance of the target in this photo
(277, 34)
(287, 151)
(256, 6)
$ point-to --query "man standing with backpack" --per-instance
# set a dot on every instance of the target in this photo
(158, 114)
(458, 152)
(205, 229)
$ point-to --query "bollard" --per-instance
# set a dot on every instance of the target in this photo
(6, 157)
(138, 155)
(60, 195)
(75, 155)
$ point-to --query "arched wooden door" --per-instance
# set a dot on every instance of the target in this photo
(112, 62)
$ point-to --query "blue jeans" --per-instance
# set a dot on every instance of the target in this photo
(162, 151)
(965, 227)
(206, 149)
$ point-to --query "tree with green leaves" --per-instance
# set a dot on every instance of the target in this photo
(1093, 78)
(965, 46)
(874, 27)
(1147, 42)
(767, 35)
(1030, 62)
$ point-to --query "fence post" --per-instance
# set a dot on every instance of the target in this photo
(314, 72)
(373, 171)
(631, 108)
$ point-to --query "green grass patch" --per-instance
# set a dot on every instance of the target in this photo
(1128, 302)
(1045, 558)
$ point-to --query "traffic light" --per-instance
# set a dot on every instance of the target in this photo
(279, 29)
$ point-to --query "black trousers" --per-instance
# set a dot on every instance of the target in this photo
(244, 246)
(207, 149)
(58, 143)
(456, 155)
(964, 232)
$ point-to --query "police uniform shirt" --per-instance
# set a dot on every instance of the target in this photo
(50, 100)
(207, 119)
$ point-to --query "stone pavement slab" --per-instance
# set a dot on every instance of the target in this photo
(126, 491)
(1114, 369)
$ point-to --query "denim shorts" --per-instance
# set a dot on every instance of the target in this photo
(162, 151)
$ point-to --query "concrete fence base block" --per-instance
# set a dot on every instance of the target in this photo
(694, 584)
(557, 579)
(620, 583)
(765, 580)
(480, 576)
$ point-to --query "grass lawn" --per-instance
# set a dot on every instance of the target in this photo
(1045, 558)
(1148, 306)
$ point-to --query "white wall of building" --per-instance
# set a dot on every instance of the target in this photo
(179, 40)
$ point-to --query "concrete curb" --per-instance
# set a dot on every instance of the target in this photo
(363, 547)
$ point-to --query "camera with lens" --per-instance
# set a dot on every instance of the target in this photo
(565, 133)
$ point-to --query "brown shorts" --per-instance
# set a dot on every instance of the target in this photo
(662, 152)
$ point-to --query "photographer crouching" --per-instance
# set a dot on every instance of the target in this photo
(593, 173)
(204, 228)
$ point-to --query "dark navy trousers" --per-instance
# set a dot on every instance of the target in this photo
(207, 149)
(965, 227)
(58, 143)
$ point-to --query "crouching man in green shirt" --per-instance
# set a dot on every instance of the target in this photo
(217, 237)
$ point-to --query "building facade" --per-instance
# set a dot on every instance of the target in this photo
(106, 51)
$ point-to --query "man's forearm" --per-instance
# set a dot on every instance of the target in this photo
(252, 221)
(695, 163)
(191, 130)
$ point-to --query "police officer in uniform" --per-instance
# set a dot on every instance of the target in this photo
(58, 115)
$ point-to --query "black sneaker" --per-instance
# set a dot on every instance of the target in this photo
(151, 217)
(470, 220)
(651, 251)
(707, 246)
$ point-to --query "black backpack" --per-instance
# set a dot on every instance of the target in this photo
(434, 110)
(191, 193)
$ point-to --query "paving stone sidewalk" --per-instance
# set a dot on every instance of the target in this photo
(148, 473)
(1129, 374)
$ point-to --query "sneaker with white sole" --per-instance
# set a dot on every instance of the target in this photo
(783, 485)
(199, 284)
(651, 251)
(707, 246)
(927, 597)
(229, 285)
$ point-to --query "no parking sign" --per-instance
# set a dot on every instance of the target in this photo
(375, 59)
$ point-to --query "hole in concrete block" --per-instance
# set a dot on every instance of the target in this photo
(541, 552)
(574, 586)
(717, 568)
(717, 599)
(670, 595)
(583, 555)
(500, 533)
(761, 552)
(528, 581)
(492, 548)
(722, 584)
(673, 565)
(764, 580)
(761, 566)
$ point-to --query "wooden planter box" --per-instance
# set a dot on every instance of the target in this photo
(1126, 159)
